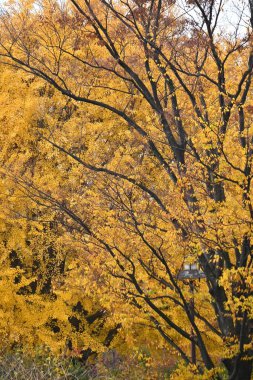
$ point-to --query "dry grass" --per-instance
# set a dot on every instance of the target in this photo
(16, 366)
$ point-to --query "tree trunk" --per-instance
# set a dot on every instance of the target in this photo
(238, 369)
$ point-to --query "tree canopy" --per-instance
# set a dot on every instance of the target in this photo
(129, 129)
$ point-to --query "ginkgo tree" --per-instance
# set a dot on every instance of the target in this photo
(161, 152)
(43, 303)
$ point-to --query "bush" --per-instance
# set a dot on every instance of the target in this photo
(18, 366)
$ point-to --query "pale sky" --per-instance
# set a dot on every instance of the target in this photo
(233, 12)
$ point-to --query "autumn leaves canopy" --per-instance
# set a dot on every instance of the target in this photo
(133, 135)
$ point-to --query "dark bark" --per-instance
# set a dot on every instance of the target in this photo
(238, 369)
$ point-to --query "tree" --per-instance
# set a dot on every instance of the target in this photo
(163, 164)
(42, 303)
